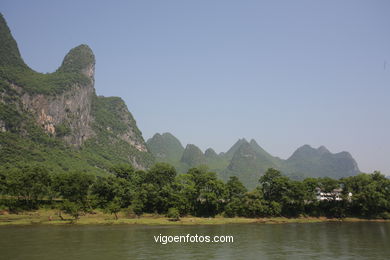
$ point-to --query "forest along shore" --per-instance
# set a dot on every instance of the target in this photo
(51, 217)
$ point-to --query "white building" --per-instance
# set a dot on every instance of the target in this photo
(335, 194)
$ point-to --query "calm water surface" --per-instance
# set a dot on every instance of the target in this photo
(251, 241)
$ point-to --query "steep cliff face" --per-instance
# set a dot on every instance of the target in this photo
(63, 107)
(68, 114)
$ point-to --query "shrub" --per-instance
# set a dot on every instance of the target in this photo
(173, 214)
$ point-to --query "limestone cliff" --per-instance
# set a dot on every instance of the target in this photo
(63, 108)
(67, 114)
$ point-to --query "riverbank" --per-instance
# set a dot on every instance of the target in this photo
(50, 217)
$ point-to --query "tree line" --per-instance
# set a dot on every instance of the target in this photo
(198, 193)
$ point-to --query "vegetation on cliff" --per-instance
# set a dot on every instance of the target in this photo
(41, 121)
(248, 160)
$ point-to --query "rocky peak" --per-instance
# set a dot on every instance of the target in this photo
(192, 156)
(235, 147)
(79, 59)
(323, 150)
(65, 106)
(210, 153)
(9, 52)
(165, 147)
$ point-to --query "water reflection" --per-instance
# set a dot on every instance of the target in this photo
(251, 241)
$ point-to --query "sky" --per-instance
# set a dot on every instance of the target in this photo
(286, 73)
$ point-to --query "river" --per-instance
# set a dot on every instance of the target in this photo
(363, 240)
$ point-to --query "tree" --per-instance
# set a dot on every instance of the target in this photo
(71, 208)
(293, 203)
(107, 189)
(211, 198)
(234, 207)
(328, 184)
(274, 185)
(74, 188)
(155, 192)
(235, 188)
(3, 183)
(113, 207)
(370, 194)
(254, 205)
(137, 206)
(184, 194)
(209, 194)
(124, 171)
(29, 184)
(161, 174)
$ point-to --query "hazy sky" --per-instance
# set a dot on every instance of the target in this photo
(285, 73)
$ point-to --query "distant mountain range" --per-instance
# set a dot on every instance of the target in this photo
(248, 160)
(56, 119)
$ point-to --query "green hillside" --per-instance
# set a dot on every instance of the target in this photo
(193, 156)
(165, 148)
(249, 161)
(57, 120)
(310, 162)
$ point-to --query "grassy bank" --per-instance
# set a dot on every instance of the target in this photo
(50, 217)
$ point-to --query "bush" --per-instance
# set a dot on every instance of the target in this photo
(385, 215)
(137, 207)
(129, 212)
(72, 208)
(113, 208)
(173, 214)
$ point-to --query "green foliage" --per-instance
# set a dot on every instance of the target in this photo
(137, 207)
(198, 192)
(371, 193)
(9, 52)
(249, 161)
(11, 116)
(25, 141)
(77, 60)
(113, 207)
(210, 193)
(112, 119)
(253, 205)
(124, 171)
(173, 214)
(74, 187)
(37, 83)
(308, 161)
(166, 148)
(192, 156)
(274, 185)
(72, 208)
(62, 130)
(235, 188)
(14, 70)
(30, 184)
(161, 174)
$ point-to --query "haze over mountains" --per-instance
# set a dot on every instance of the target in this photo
(248, 160)
(57, 119)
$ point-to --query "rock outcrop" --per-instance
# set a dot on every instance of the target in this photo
(64, 106)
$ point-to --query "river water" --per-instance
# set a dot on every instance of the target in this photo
(364, 240)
